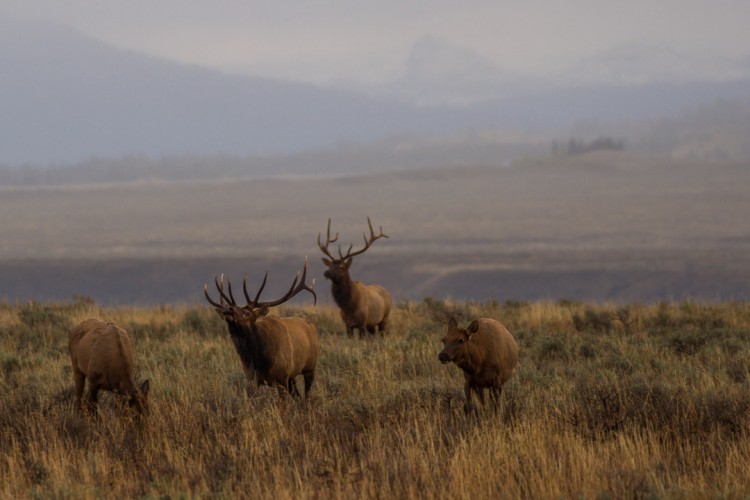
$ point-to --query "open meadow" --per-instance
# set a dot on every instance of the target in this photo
(610, 401)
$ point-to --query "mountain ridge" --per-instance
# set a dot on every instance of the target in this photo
(65, 98)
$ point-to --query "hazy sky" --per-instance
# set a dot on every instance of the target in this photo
(369, 42)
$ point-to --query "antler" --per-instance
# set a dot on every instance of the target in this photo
(297, 286)
(219, 281)
(368, 241)
(324, 248)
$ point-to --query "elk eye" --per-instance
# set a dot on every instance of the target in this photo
(461, 340)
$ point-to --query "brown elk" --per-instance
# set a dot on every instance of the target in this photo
(102, 353)
(273, 350)
(486, 352)
(363, 307)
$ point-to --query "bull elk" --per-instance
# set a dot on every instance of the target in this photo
(273, 350)
(363, 307)
(101, 352)
(486, 352)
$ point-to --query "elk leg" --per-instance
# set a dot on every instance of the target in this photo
(383, 326)
(467, 393)
(93, 397)
(350, 331)
(80, 380)
(371, 330)
(480, 395)
(309, 379)
(495, 393)
(293, 390)
(282, 388)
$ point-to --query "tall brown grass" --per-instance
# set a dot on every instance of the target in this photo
(611, 401)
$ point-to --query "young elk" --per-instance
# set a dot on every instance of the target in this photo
(363, 307)
(486, 352)
(273, 350)
(102, 353)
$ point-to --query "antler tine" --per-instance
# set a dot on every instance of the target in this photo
(303, 286)
(297, 286)
(220, 288)
(372, 233)
(324, 248)
(312, 291)
(231, 295)
(260, 290)
(342, 257)
(209, 299)
(328, 233)
(244, 290)
(287, 295)
(368, 241)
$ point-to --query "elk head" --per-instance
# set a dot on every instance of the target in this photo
(338, 268)
(455, 340)
(139, 401)
(236, 315)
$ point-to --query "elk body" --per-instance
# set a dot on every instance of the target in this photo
(273, 350)
(101, 352)
(363, 307)
(486, 352)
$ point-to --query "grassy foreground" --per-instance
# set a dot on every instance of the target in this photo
(611, 401)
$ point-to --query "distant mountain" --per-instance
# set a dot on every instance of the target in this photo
(439, 73)
(65, 97)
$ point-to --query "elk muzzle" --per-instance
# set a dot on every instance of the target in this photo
(444, 357)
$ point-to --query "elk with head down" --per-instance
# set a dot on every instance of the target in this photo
(486, 352)
(273, 350)
(363, 307)
(101, 352)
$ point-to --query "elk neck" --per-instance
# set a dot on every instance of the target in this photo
(472, 359)
(242, 336)
(343, 292)
(253, 342)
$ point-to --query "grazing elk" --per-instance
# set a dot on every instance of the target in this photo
(273, 350)
(102, 353)
(486, 352)
(363, 307)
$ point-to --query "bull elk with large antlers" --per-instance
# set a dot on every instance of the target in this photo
(363, 307)
(273, 350)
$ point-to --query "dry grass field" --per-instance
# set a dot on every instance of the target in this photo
(611, 401)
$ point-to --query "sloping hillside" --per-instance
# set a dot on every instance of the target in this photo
(451, 230)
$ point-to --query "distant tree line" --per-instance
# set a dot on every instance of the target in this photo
(581, 146)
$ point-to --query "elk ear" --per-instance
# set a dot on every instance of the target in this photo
(452, 323)
(472, 328)
(327, 262)
(347, 263)
(144, 388)
(263, 311)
